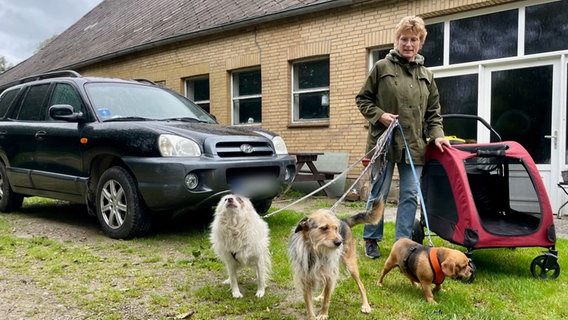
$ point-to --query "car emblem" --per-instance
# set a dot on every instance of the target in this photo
(246, 148)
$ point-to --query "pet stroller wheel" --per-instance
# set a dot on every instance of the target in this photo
(545, 266)
(473, 270)
(418, 231)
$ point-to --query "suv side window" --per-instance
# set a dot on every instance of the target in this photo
(6, 101)
(64, 93)
(33, 104)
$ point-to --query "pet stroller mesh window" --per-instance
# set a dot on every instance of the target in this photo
(504, 194)
(441, 204)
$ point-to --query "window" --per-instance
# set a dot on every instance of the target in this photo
(433, 49)
(475, 38)
(197, 90)
(247, 97)
(33, 105)
(520, 110)
(458, 95)
(6, 101)
(66, 94)
(546, 27)
(378, 54)
(310, 90)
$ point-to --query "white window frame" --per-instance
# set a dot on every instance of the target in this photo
(295, 91)
(235, 111)
(190, 90)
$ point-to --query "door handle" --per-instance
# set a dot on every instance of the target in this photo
(553, 137)
(40, 135)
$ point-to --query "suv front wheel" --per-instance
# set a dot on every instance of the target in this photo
(120, 208)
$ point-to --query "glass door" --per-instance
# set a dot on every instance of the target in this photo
(523, 106)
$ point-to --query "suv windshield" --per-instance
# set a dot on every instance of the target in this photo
(117, 101)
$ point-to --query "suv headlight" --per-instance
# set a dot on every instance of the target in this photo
(279, 145)
(175, 146)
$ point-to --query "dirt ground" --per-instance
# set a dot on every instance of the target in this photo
(21, 296)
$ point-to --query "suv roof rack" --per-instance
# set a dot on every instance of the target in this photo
(45, 75)
(145, 81)
(51, 74)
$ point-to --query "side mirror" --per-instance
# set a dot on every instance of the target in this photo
(65, 112)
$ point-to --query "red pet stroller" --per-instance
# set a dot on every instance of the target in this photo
(488, 196)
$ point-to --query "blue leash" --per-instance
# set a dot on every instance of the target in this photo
(417, 187)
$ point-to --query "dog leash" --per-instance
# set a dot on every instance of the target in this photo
(377, 149)
(382, 145)
(418, 188)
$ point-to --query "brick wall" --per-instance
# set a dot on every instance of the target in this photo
(344, 35)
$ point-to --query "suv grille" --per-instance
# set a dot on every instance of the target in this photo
(232, 149)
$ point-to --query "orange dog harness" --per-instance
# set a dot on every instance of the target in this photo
(439, 276)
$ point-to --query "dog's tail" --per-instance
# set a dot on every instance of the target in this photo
(370, 217)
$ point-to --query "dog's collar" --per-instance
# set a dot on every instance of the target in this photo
(439, 275)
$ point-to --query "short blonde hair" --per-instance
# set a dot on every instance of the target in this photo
(412, 24)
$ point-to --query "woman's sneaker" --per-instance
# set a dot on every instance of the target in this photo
(372, 249)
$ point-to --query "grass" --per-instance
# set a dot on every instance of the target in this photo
(173, 274)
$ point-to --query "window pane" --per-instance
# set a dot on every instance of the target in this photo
(65, 94)
(32, 107)
(6, 101)
(201, 89)
(521, 111)
(249, 83)
(433, 49)
(205, 106)
(312, 74)
(248, 110)
(484, 37)
(314, 105)
(379, 54)
(546, 29)
(458, 95)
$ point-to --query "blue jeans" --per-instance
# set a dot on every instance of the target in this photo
(407, 205)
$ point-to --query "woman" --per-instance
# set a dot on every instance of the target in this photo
(400, 87)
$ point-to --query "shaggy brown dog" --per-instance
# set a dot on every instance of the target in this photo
(426, 265)
(316, 246)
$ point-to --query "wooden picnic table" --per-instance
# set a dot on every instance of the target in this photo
(312, 173)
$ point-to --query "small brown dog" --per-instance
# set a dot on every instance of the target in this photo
(316, 246)
(426, 265)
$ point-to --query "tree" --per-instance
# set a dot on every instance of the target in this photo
(4, 65)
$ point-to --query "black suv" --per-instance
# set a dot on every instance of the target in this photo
(129, 150)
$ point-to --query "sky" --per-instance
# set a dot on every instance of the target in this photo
(24, 24)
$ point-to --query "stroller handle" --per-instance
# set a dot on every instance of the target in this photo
(478, 118)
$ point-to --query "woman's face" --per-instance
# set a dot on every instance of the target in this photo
(408, 45)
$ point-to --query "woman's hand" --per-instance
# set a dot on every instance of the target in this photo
(387, 118)
(439, 142)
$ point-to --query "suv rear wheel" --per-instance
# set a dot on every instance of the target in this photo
(120, 209)
(9, 200)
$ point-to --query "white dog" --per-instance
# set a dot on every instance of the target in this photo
(240, 238)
